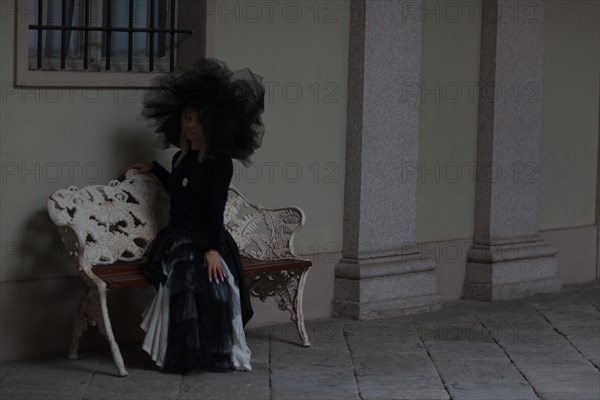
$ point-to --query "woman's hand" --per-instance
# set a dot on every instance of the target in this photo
(213, 264)
(141, 168)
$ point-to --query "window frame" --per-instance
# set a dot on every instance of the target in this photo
(187, 52)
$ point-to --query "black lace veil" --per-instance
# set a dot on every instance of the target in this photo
(232, 103)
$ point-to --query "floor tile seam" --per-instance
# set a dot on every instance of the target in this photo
(89, 382)
(424, 345)
(568, 340)
(269, 364)
(87, 385)
(537, 394)
(354, 372)
(587, 300)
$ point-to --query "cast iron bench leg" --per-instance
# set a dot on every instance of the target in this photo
(289, 297)
(93, 311)
(298, 311)
(106, 329)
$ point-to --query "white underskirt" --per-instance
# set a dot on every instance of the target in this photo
(155, 322)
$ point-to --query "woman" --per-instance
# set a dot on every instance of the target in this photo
(197, 318)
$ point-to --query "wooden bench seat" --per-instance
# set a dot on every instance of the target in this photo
(129, 274)
(108, 228)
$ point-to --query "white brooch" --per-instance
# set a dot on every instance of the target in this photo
(184, 182)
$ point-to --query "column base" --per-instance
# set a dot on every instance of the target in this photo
(385, 287)
(509, 271)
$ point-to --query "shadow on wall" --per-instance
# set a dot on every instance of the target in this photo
(37, 314)
(38, 306)
(42, 253)
(141, 145)
(36, 311)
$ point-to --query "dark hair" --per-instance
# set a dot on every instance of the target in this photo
(232, 104)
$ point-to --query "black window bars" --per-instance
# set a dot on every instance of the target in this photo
(108, 29)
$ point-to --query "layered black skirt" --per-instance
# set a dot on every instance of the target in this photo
(193, 323)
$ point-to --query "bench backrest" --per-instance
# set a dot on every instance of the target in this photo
(105, 224)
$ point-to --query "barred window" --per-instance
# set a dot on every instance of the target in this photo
(120, 39)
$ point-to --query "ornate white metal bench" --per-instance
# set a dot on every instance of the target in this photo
(109, 228)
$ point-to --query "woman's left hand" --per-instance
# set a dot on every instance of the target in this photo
(213, 264)
(141, 168)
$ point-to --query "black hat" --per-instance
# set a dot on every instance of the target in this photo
(232, 104)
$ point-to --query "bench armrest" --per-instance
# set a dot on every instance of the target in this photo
(103, 224)
(262, 233)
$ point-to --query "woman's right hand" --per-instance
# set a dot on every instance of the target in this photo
(213, 264)
(141, 168)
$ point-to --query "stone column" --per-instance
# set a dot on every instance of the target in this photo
(508, 258)
(381, 272)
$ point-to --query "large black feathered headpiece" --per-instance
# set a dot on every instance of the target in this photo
(232, 104)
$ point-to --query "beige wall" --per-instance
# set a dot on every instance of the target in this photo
(66, 137)
(301, 48)
(80, 137)
(569, 142)
(86, 132)
(51, 139)
(448, 137)
(56, 138)
(448, 134)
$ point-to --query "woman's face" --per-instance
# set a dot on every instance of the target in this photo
(193, 125)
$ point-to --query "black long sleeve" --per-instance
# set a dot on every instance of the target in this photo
(161, 173)
(198, 194)
(221, 173)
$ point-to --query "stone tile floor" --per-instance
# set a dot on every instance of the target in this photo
(541, 347)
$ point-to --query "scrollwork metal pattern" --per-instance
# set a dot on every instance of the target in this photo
(114, 222)
(262, 233)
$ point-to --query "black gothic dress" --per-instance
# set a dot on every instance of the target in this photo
(200, 313)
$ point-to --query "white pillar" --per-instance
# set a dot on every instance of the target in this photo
(381, 272)
(508, 258)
